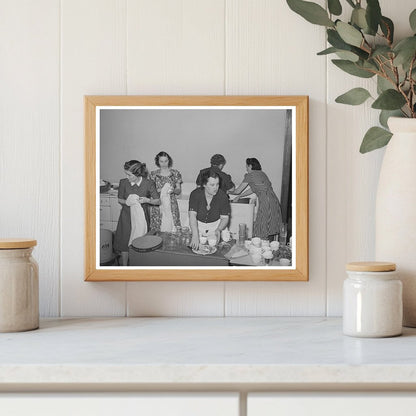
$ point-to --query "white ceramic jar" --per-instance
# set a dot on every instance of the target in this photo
(19, 286)
(372, 300)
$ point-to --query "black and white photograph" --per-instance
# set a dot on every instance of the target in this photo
(195, 187)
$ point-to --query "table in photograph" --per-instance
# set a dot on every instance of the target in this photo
(178, 254)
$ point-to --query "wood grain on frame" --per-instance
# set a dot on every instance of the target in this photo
(230, 274)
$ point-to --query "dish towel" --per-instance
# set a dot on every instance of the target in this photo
(138, 219)
(166, 209)
(207, 229)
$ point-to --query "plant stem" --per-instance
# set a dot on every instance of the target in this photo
(412, 87)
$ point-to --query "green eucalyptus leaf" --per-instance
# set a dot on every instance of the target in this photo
(352, 68)
(375, 138)
(373, 15)
(358, 18)
(327, 51)
(336, 41)
(370, 65)
(311, 12)
(334, 7)
(356, 96)
(381, 50)
(383, 84)
(389, 100)
(349, 34)
(405, 50)
(386, 114)
(347, 55)
(387, 27)
(412, 20)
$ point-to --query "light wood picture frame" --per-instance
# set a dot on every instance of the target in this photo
(122, 128)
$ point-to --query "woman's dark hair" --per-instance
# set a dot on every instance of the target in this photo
(209, 174)
(254, 163)
(161, 154)
(136, 168)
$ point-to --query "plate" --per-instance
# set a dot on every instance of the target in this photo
(204, 250)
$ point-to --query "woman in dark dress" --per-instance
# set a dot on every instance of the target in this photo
(134, 191)
(269, 215)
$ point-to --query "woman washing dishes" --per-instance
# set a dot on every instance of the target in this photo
(168, 183)
(269, 215)
(134, 194)
(209, 209)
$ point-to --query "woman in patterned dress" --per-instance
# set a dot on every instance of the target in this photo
(168, 183)
(134, 189)
(269, 215)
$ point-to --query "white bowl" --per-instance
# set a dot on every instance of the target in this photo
(256, 258)
(284, 262)
(256, 241)
(268, 254)
(274, 245)
(255, 250)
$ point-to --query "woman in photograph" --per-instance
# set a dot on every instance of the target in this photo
(269, 215)
(135, 193)
(168, 183)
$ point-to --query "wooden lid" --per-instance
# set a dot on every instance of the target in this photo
(10, 243)
(371, 266)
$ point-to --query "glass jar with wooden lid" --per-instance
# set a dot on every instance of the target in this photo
(19, 286)
(372, 298)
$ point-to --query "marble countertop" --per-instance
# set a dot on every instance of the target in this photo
(204, 351)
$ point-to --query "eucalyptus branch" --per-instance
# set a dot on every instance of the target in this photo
(412, 86)
(376, 56)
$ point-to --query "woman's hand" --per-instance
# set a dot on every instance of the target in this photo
(144, 200)
(195, 241)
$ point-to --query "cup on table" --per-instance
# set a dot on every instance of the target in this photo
(256, 258)
(256, 241)
(255, 250)
(247, 244)
(274, 245)
(284, 262)
(268, 256)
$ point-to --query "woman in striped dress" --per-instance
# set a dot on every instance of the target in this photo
(269, 215)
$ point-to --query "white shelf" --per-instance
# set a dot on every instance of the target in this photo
(291, 352)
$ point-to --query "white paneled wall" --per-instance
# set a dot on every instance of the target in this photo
(55, 52)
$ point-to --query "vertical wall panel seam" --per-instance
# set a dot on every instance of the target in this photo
(225, 49)
(126, 57)
(224, 296)
(326, 181)
(126, 91)
(60, 66)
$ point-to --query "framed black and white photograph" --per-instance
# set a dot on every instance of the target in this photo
(196, 187)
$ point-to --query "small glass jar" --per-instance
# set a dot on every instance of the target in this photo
(372, 300)
(19, 286)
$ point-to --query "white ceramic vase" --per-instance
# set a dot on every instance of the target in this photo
(396, 210)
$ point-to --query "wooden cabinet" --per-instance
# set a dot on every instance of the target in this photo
(122, 404)
(330, 403)
(109, 211)
(240, 213)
